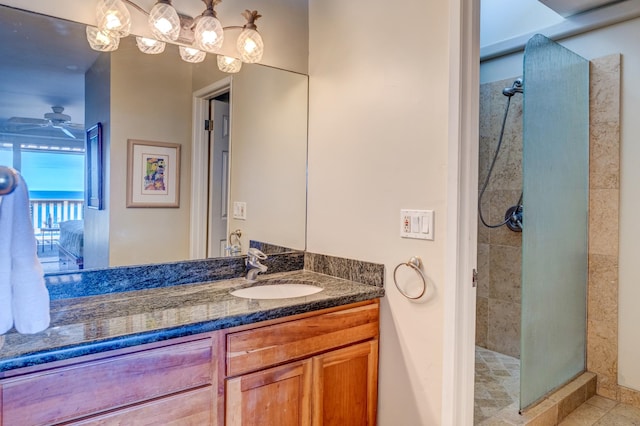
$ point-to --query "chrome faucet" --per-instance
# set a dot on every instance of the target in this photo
(254, 267)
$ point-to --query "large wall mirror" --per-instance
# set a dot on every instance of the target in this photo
(248, 174)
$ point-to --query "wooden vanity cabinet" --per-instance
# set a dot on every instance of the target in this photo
(151, 384)
(318, 368)
(325, 371)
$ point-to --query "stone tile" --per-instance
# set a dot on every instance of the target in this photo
(483, 270)
(543, 414)
(495, 422)
(602, 403)
(576, 385)
(608, 388)
(602, 356)
(592, 387)
(604, 90)
(604, 156)
(507, 171)
(547, 418)
(505, 266)
(620, 415)
(572, 401)
(628, 412)
(630, 396)
(501, 200)
(603, 288)
(482, 304)
(486, 150)
(585, 415)
(484, 123)
(603, 221)
(483, 231)
(503, 330)
(496, 384)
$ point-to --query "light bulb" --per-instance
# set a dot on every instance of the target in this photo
(229, 64)
(113, 15)
(189, 54)
(164, 22)
(102, 41)
(208, 34)
(112, 22)
(250, 46)
(150, 46)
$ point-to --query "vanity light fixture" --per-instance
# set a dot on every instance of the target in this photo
(113, 16)
(164, 21)
(208, 33)
(195, 37)
(150, 46)
(189, 54)
(249, 42)
(100, 40)
(228, 64)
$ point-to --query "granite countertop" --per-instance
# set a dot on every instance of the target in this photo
(85, 325)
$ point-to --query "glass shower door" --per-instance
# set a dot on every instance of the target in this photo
(556, 198)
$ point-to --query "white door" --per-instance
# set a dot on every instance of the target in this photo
(218, 176)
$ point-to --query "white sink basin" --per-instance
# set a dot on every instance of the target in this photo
(276, 291)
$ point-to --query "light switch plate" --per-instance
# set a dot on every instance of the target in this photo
(416, 224)
(240, 210)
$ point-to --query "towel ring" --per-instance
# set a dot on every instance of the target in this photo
(416, 264)
(8, 180)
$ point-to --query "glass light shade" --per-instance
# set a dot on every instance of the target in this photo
(190, 54)
(250, 46)
(150, 46)
(103, 41)
(229, 64)
(208, 34)
(164, 22)
(113, 15)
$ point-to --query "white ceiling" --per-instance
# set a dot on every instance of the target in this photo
(43, 64)
(568, 8)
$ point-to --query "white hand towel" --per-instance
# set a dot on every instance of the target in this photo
(6, 218)
(29, 295)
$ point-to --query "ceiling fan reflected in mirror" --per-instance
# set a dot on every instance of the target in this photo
(56, 120)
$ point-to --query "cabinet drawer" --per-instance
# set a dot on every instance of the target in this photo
(262, 347)
(70, 392)
(188, 408)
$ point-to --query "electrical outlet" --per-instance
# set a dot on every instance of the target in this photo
(416, 224)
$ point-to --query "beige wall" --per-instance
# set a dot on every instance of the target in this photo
(156, 90)
(283, 22)
(620, 38)
(379, 76)
(96, 222)
(269, 155)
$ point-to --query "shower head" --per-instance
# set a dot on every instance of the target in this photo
(516, 87)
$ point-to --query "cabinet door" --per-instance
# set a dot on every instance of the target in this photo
(277, 396)
(345, 386)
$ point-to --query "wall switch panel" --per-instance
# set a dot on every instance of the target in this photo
(240, 210)
(416, 224)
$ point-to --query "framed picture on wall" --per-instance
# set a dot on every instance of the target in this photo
(93, 152)
(153, 174)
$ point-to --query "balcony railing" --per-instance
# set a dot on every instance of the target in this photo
(57, 210)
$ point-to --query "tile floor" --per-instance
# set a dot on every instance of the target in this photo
(497, 384)
(497, 391)
(599, 411)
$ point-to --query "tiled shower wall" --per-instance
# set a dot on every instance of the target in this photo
(499, 249)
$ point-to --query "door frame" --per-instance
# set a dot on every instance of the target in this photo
(200, 165)
(458, 370)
